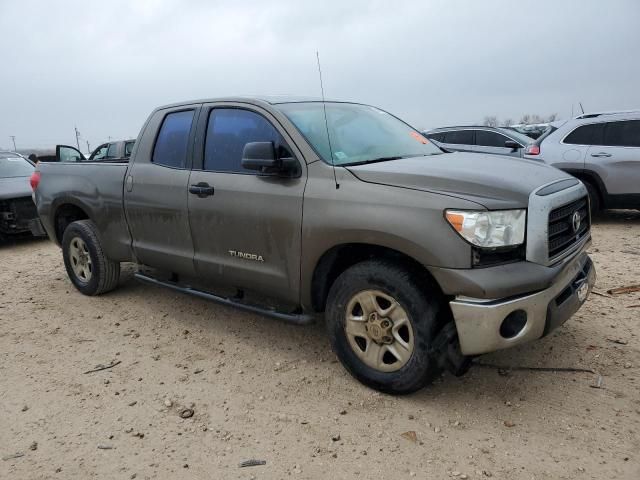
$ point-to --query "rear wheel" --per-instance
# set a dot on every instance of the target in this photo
(381, 326)
(89, 269)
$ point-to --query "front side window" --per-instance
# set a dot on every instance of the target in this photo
(229, 130)
(490, 139)
(586, 135)
(622, 134)
(171, 145)
(459, 137)
(100, 152)
(352, 134)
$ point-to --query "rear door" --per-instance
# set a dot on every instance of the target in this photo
(246, 227)
(156, 191)
(458, 140)
(617, 160)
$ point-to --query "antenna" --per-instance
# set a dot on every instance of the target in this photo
(581, 107)
(326, 123)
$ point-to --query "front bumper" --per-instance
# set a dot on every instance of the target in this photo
(479, 321)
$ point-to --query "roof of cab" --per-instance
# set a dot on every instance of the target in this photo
(252, 99)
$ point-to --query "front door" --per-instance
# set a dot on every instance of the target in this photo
(156, 192)
(246, 227)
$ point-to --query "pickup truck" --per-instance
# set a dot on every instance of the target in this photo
(418, 260)
(118, 151)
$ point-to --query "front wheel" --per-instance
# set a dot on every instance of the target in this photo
(381, 326)
(91, 272)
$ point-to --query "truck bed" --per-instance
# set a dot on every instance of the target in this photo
(94, 187)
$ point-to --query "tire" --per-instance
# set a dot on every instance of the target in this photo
(89, 269)
(594, 197)
(389, 281)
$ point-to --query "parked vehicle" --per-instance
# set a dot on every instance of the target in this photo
(535, 130)
(602, 150)
(107, 152)
(18, 213)
(295, 209)
(499, 141)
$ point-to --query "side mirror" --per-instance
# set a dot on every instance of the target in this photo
(259, 156)
(262, 156)
(512, 145)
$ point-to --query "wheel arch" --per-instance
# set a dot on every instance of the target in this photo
(340, 257)
(593, 178)
(65, 213)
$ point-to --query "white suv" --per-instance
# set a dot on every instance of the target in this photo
(602, 150)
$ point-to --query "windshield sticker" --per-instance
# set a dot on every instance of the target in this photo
(419, 137)
(340, 155)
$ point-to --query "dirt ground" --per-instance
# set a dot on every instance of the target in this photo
(260, 389)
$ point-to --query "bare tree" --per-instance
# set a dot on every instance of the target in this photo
(525, 119)
(552, 117)
(507, 122)
(490, 121)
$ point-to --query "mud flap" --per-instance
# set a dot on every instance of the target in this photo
(446, 351)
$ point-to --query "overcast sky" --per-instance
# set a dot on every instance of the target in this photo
(103, 66)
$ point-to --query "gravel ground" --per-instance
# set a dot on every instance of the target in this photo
(260, 389)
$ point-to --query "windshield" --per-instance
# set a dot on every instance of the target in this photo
(15, 167)
(358, 133)
(518, 136)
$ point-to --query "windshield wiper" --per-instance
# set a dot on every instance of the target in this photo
(373, 160)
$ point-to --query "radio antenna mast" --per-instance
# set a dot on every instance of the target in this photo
(326, 123)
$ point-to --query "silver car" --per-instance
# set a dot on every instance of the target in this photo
(499, 141)
(602, 150)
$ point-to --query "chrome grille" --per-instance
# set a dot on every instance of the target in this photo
(562, 232)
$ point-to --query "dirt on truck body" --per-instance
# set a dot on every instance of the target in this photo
(417, 259)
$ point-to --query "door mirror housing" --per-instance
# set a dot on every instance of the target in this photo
(261, 156)
(514, 146)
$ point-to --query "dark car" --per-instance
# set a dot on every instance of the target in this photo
(480, 139)
(18, 214)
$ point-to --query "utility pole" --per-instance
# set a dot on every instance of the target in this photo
(88, 147)
(13, 137)
(77, 137)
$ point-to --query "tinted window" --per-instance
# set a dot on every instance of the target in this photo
(459, 137)
(112, 152)
(586, 135)
(438, 137)
(490, 139)
(228, 131)
(128, 147)
(622, 134)
(15, 167)
(171, 146)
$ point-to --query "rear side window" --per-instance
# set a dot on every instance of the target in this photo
(112, 152)
(490, 139)
(128, 147)
(622, 134)
(459, 137)
(171, 145)
(229, 130)
(586, 135)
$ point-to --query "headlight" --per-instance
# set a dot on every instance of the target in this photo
(487, 229)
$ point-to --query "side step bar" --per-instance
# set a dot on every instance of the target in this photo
(297, 319)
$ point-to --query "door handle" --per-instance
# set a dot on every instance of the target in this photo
(601, 154)
(202, 190)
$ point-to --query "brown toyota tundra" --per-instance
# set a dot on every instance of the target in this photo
(417, 259)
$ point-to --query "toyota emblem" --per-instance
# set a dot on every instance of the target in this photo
(575, 221)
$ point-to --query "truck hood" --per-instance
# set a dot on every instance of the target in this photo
(494, 181)
(14, 187)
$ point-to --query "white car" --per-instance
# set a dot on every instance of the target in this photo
(603, 151)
